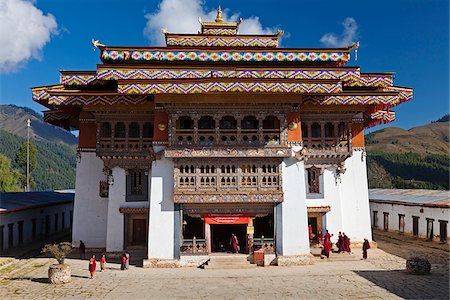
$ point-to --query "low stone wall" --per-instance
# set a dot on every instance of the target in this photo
(193, 260)
(160, 263)
(294, 260)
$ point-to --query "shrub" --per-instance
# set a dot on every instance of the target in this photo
(59, 251)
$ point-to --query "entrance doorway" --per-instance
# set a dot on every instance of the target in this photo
(221, 234)
(139, 231)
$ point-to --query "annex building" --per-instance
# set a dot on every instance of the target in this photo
(218, 133)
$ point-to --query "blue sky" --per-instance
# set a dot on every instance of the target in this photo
(410, 38)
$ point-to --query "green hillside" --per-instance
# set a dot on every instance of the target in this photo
(55, 162)
(415, 158)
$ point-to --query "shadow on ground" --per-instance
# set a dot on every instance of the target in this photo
(409, 286)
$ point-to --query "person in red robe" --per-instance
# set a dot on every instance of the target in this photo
(320, 239)
(340, 243)
(234, 243)
(326, 248)
(123, 264)
(346, 240)
(92, 266)
(328, 235)
(102, 263)
(366, 246)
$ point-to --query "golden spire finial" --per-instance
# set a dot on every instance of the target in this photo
(219, 15)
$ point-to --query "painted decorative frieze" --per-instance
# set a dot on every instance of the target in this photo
(227, 152)
(228, 198)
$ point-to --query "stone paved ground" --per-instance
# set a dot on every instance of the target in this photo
(382, 276)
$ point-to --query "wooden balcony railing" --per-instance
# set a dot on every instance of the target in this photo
(263, 243)
(194, 246)
(124, 145)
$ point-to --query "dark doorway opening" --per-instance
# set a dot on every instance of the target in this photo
(139, 231)
(221, 235)
(313, 229)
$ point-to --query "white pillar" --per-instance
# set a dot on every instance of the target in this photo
(162, 215)
(354, 195)
(291, 214)
(115, 230)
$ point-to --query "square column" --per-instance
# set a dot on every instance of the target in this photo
(292, 240)
(163, 235)
(115, 231)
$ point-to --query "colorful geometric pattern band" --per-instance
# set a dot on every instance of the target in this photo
(214, 87)
(121, 55)
(380, 80)
(380, 117)
(130, 74)
(41, 93)
(220, 31)
(77, 79)
(96, 100)
(55, 116)
(225, 41)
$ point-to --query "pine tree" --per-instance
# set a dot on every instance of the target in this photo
(21, 160)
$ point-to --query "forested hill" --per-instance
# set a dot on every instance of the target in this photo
(56, 147)
(414, 158)
(13, 119)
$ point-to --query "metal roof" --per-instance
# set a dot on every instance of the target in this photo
(437, 198)
(10, 202)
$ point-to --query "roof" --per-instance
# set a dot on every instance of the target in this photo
(430, 198)
(11, 202)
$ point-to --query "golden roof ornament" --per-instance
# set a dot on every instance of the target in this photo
(219, 18)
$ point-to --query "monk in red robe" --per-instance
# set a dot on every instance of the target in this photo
(92, 265)
(234, 243)
(366, 246)
(326, 248)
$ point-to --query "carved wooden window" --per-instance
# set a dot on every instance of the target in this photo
(329, 130)
(185, 122)
(206, 130)
(269, 175)
(313, 180)
(304, 130)
(103, 189)
(249, 130)
(249, 175)
(137, 183)
(206, 122)
(315, 130)
(147, 130)
(187, 176)
(119, 130)
(134, 130)
(271, 129)
(105, 131)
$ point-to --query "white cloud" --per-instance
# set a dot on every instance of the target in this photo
(181, 16)
(24, 31)
(346, 38)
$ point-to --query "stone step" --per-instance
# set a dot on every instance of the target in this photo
(229, 262)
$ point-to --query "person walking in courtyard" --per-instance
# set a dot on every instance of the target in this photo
(366, 246)
(234, 243)
(326, 248)
(92, 266)
(346, 243)
(102, 263)
(124, 262)
(127, 264)
(82, 249)
(340, 243)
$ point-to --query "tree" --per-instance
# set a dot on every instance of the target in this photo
(59, 251)
(21, 160)
(9, 178)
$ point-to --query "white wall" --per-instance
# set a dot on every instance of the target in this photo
(90, 210)
(394, 210)
(354, 195)
(27, 215)
(329, 197)
(291, 216)
(161, 216)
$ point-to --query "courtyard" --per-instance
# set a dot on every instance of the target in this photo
(342, 276)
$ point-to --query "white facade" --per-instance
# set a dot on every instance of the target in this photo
(347, 197)
(90, 214)
(49, 219)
